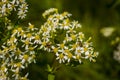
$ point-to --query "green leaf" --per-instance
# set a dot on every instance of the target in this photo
(49, 69)
(51, 77)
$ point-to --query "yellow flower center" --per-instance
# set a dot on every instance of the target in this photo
(3, 68)
(18, 52)
(31, 26)
(44, 29)
(31, 48)
(33, 56)
(71, 30)
(67, 51)
(85, 49)
(12, 38)
(26, 42)
(78, 51)
(81, 36)
(73, 36)
(44, 43)
(65, 13)
(77, 56)
(37, 37)
(58, 17)
(18, 64)
(70, 55)
(29, 35)
(19, 29)
(74, 46)
(89, 55)
(12, 47)
(55, 50)
(0, 51)
(5, 49)
(15, 30)
(61, 56)
(22, 33)
(62, 45)
(25, 57)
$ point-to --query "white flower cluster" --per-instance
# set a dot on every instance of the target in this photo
(73, 47)
(20, 49)
(17, 53)
(6, 6)
(117, 54)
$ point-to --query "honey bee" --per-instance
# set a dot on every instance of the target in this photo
(80, 44)
(48, 45)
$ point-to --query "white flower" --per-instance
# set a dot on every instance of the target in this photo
(78, 57)
(61, 46)
(79, 50)
(69, 56)
(12, 40)
(117, 54)
(29, 37)
(71, 30)
(31, 27)
(75, 24)
(26, 59)
(80, 36)
(45, 45)
(26, 44)
(60, 57)
(55, 49)
(3, 10)
(37, 39)
(66, 14)
(47, 12)
(22, 11)
(107, 31)
(18, 65)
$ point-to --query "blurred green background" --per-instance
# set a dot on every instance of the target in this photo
(93, 16)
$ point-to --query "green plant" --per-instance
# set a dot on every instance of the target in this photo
(58, 36)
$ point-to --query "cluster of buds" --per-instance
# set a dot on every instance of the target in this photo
(58, 35)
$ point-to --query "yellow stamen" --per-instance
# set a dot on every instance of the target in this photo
(44, 43)
(62, 45)
(18, 64)
(37, 37)
(85, 49)
(19, 29)
(25, 57)
(67, 51)
(55, 50)
(29, 35)
(31, 48)
(78, 57)
(26, 42)
(78, 51)
(74, 46)
(70, 55)
(61, 56)
(73, 36)
(31, 26)
(18, 52)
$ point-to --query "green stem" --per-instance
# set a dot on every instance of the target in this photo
(51, 77)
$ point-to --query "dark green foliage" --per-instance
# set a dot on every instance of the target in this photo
(93, 16)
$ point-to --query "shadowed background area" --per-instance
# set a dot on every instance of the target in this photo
(93, 15)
